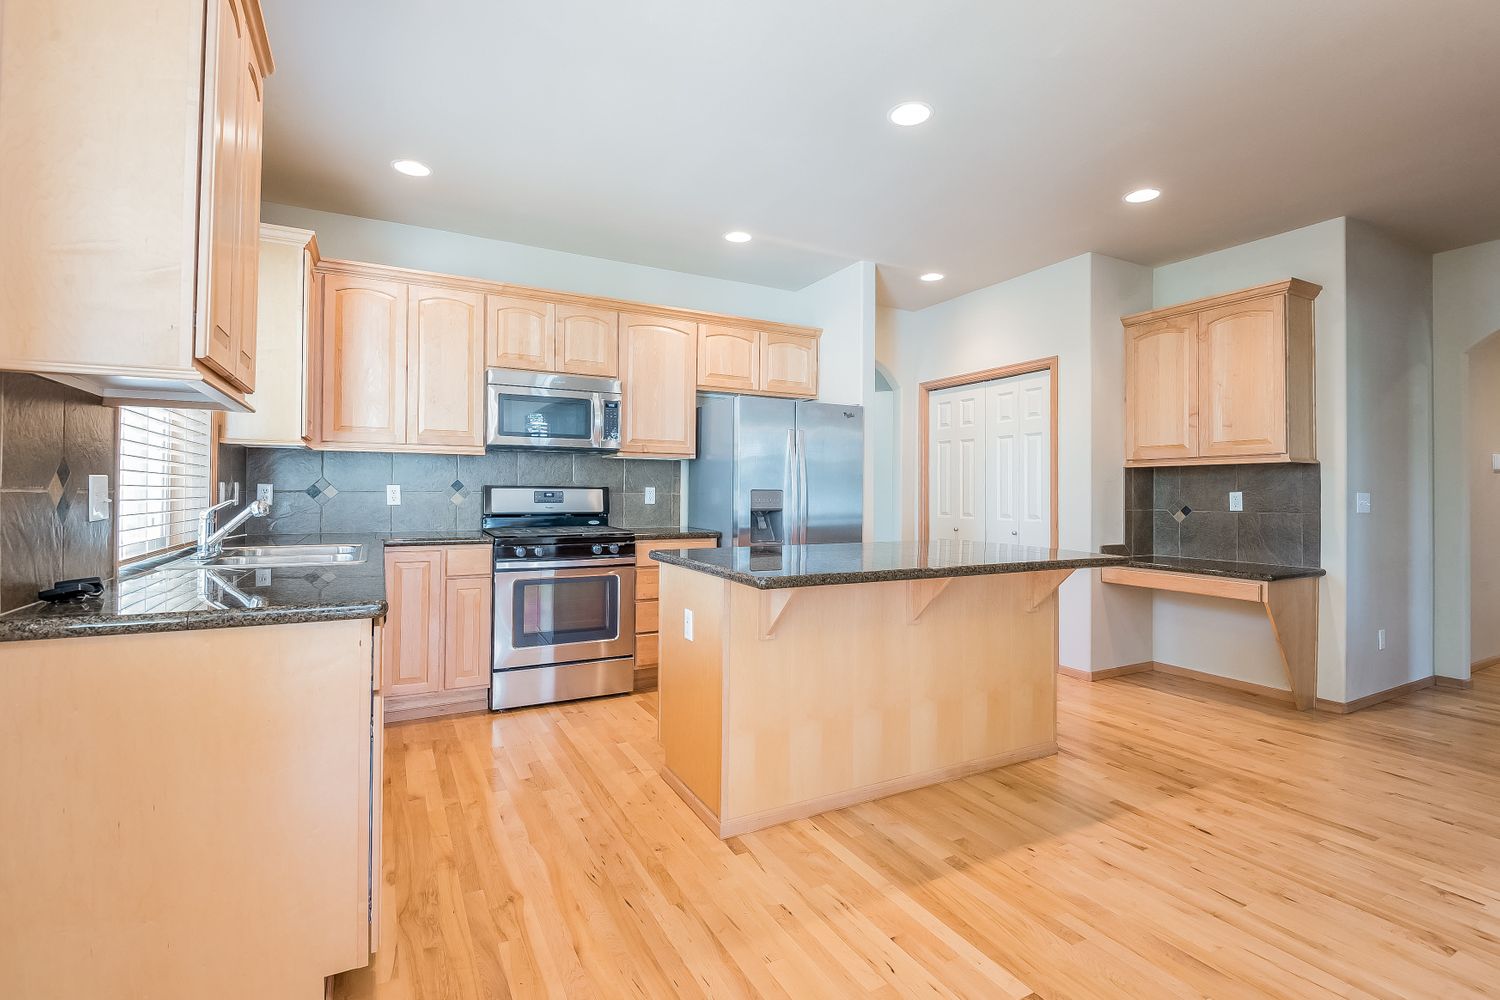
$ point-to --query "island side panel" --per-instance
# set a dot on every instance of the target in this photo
(853, 696)
(189, 809)
(690, 686)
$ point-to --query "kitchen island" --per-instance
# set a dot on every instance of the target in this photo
(802, 678)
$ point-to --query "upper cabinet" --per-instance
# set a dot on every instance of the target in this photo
(658, 375)
(788, 365)
(149, 298)
(587, 341)
(519, 334)
(1221, 380)
(284, 287)
(444, 368)
(757, 362)
(398, 359)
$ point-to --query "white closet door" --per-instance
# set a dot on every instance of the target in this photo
(956, 465)
(1018, 434)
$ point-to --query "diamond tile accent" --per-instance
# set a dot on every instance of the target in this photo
(1181, 515)
(57, 488)
(458, 492)
(322, 491)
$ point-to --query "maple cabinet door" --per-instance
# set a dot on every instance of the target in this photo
(588, 341)
(1242, 372)
(1161, 390)
(519, 333)
(445, 367)
(788, 365)
(413, 634)
(728, 358)
(466, 631)
(659, 376)
(363, 360)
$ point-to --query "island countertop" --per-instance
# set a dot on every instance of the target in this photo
(778, 567)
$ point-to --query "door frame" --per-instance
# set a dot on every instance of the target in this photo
(926, 389)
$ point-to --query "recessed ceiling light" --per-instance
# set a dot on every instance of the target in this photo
(909, 113)
(737, 236)
(411, 168)
(932, 276)
(1143, 195)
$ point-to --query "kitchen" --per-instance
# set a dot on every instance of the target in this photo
(451, 548)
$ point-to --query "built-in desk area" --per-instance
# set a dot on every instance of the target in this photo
(1289, 595)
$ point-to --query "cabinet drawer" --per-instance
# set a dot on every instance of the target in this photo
(648, 582)
(647, 614)
(646, 647)
(468, 560)
(645, 546)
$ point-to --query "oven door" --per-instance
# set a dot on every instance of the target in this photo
(536, 417)
(562, 612)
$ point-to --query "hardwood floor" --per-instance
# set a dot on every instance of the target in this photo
(1188, 841)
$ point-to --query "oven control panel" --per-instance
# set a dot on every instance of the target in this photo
(562, 551)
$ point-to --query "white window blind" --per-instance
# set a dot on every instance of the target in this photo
(164, 478)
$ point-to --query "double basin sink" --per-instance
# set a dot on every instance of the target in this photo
(274, 557)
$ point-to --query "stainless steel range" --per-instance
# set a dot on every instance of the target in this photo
(564, 596)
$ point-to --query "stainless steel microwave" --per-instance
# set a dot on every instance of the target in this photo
(542, 410)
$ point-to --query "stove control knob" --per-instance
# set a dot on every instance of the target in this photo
(537, 551)
(598, 550)
(614, 550)
(520, 551)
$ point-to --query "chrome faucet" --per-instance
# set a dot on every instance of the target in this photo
(210, 542)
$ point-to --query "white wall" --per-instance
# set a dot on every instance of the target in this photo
(1183, 634)
(1071, 310)
(1465, 311)
(1484, 500)
(1389, 367)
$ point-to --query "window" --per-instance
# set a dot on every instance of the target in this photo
(164, 478)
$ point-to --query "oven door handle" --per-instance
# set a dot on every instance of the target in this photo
(584, 564)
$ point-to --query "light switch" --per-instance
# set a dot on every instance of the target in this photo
(1236, 500)
(1495, 462)
(393, 495)
(687, 624)
(1361, 503)
(651, 494)
(98, 498)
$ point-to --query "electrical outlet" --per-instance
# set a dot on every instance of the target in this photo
(1236, 500)
(1380, 639)
(687, 624)
(1361, 503)
(393, 495)
(264, 491)
(99, 498)
(1495, 462)
(651, 494)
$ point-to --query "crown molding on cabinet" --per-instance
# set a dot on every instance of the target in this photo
(1291, 286)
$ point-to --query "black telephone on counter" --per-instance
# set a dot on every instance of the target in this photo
(72, 590)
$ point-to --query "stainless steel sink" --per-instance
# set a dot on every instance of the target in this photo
(272, 556)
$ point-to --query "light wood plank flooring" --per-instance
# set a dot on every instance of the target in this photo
(1187, 842)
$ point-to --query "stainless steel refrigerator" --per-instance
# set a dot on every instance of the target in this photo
(774, 471)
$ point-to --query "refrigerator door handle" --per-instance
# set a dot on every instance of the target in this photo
(801, 487)
(791, 501)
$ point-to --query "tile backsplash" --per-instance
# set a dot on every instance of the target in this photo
(52, 438)
(1185, 512)
(345, 491)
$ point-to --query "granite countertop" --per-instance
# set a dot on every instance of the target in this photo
(669, 533)
(1225, 567)
(163, 598)
(776, 567)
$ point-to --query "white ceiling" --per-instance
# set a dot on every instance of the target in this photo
(642, 130)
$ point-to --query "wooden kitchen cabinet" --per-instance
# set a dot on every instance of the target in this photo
(519, 333)
(647, 609)
(587, 341)
(413, 633)
(658, 375)
(283, 417)
(728, 358)
(441, 601)
(788, 365)
(1223, 380)
(130, 188)
(363, 360)
(444, 368)
(1161, 389)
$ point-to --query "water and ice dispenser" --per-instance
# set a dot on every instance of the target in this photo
(766, 526)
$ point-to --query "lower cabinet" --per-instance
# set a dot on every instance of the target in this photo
(437, 630)
(647, 611)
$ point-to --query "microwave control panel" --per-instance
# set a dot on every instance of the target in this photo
(611, 420)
